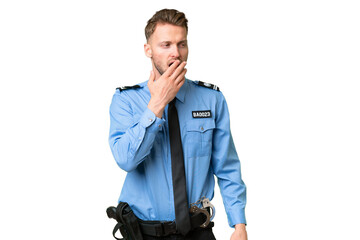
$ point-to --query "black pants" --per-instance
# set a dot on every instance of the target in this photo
(196, 234)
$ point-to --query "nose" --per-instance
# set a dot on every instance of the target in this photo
(175, 52)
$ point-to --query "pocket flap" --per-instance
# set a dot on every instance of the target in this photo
(200, 125)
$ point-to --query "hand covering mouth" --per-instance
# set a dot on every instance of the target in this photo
(173, 62)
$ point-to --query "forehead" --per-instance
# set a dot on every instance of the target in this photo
(168, 32)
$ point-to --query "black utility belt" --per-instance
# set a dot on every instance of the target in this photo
(163, 229)
(132, 228)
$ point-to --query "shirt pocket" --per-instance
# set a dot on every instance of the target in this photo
(198, 137)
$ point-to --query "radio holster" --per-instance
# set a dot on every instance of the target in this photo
(127, 222)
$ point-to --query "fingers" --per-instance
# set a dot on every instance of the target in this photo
(178, 70)
(181, 83)
(180, 79)
(171, 69)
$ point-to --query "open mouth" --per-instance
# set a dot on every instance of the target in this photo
(173, 62)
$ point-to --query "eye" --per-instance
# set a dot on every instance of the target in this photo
(165, 45)
(183, 45)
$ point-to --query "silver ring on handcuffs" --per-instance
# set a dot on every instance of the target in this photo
(205, 202)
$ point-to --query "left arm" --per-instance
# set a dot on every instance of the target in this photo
(226, 167)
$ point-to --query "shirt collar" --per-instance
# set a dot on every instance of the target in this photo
(182, 92)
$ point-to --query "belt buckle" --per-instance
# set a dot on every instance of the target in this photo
(169, 228)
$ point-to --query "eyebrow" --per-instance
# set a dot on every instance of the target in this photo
(165, 42)
(182, 41)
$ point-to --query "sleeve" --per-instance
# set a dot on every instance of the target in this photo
(226, 166)
(131, 139)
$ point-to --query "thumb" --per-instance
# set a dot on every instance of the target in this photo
(152, 76)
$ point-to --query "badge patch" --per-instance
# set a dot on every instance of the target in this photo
(201, 114)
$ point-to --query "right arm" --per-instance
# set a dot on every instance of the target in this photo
(132, 140)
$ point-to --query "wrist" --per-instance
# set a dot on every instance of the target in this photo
(240, 227)
(156, 107)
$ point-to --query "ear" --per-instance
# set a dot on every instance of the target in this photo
(147, 50)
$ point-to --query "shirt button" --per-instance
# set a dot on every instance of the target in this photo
(202, 129)
(150, 120)
(159, 125)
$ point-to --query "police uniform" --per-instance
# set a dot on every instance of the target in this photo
(140, 145)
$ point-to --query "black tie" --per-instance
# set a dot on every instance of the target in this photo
(182, 216)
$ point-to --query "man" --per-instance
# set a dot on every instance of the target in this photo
(172, 135)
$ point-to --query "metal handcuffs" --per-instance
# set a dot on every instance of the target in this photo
(205, 203)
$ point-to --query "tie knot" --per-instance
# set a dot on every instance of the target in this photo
(172, 103)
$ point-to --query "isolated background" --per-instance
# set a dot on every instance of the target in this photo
(289, 71)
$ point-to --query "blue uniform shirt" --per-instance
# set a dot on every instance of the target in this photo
(140, 145)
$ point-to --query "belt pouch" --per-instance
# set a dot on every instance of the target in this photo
(131, 226)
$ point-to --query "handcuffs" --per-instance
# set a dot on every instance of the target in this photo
(205, 203)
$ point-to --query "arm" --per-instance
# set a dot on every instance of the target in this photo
(131, 139)
(226, 166)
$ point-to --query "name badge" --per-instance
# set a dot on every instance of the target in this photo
(201, 114)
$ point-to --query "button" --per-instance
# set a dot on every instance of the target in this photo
(202, 129)
(159, 125)
(150, 120)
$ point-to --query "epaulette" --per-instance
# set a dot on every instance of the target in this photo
(127, 87)
(208, 85)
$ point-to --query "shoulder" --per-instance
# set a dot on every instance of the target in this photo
(133, 87)
(129, 93)
(206, 90)
(205, 85)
